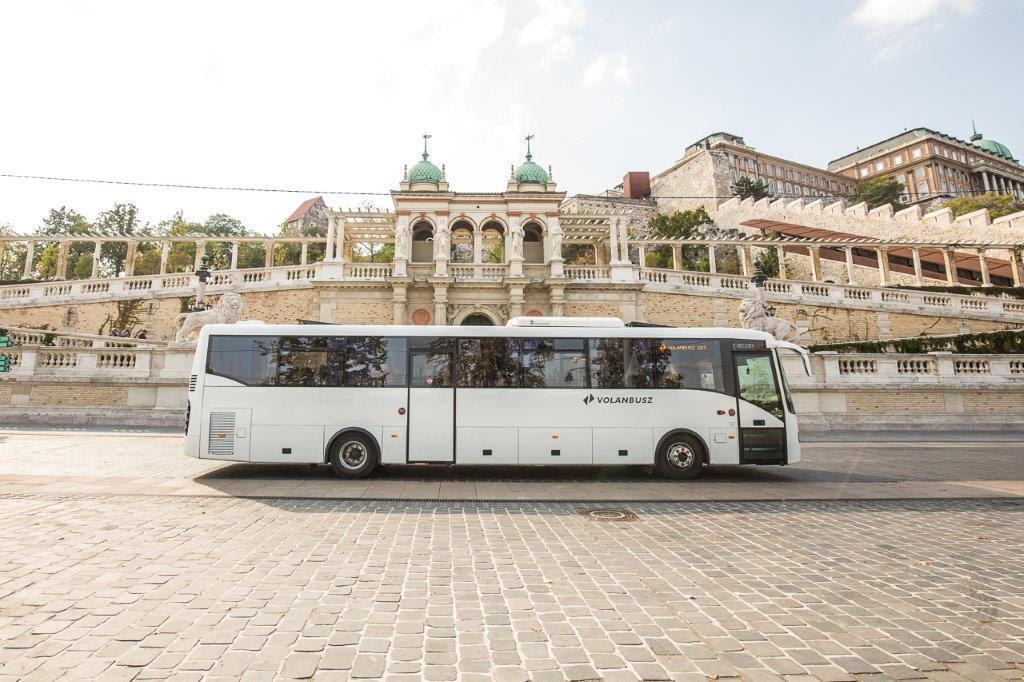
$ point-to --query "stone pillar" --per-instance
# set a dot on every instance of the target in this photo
(883, 266)
(442, 246)
(1000, 184)
(557, 301)
(641, 254)
(329, 247)
(478, 246)
(399, 299)
(129, 260)
(986, 279)
(339, 241)
(851, 277)
(677, 257)
(781, 250)
(555, 236)
(613, 240)
(918, 271)
(815, 253)
(1016, 268)
(200, 252)
(746, 261)
(268, 253)
(515, 300)
(984, 180)
(62, 260)
(165, 253)
(96, 247)
(624, 239)
(440, 303)
(949, 261)
(712, 260)
(304, 255)
(30, 253)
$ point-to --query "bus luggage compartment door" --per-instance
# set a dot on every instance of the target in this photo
(762, 425)
(431, 433)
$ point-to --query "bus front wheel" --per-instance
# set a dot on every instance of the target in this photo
(353, 456)
(681, 457)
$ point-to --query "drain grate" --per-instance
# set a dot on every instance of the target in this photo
(607, 514)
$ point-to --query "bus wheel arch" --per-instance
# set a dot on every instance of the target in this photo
(681, 454)
(353, 453)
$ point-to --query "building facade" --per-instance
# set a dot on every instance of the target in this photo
(936, 166)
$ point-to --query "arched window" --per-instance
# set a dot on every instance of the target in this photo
(422, 242)
(493, 237)
(462, 242)
(533, 243)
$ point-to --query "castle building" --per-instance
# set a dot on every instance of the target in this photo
(933, 165)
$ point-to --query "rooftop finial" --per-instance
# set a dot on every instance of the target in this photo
(426, 136)
(529, 156)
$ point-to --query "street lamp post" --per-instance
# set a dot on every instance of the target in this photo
(203, 273)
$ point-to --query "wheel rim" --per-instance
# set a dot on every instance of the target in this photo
(681, 455)
(353, 454)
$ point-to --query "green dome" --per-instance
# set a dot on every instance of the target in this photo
(992, 146)
(424, 171)
(531, 172)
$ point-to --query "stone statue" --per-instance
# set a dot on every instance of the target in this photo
(442, 243)
(555, 242)
(517, 242)
(754, 315)
(227, 311)
(402, 234)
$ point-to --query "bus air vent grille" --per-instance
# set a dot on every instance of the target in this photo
(222, 433)
(192, 383)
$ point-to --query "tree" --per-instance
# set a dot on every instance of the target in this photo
(746, 188)
(12, 257)
(879, 192)
(681, 225)
(998, 205)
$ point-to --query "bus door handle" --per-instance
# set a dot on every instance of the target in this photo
(720, 412)
(758, 422)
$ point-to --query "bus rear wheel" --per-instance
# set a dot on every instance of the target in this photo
(353, 456)
(680, 458)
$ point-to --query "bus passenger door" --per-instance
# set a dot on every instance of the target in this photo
(762, 425)
(431, 432)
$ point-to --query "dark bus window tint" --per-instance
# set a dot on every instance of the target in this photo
(431, 369)
(757, 382)
(689, 363)
(251, 360)
(488, 363)
(607, 369)
(554, 363)
(374, 361)
(310, 361)
(640, 363)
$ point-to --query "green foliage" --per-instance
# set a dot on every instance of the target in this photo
(578, 254)
(878, 192)
(495, 254)
(746, 188)
(768, 259)
(1005, 292)
(1007, 341)
(12, 257)
(998, 205)
(681, 224)
(373, 253)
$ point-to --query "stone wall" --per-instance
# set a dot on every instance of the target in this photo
(696, 176)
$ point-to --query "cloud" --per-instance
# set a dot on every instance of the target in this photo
(900, 26)
(611, 67)
(552, 29)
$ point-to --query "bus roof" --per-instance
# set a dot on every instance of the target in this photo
(260, 329)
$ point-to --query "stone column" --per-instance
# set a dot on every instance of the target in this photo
(200, 252)
(304, 255)
(677, 257)
(883, 266)
(613, 240)
(986, 279)
(641, 254)
(815, 253)
(268, 253)
(949, 261)
(851, 277)
(746, 261)
(129, 260)
(918, 271)
(1016, 268)
(516, 299)
(399, 298)
(1000, 184)
(339, 239)
(96, 259)
(442, 246)
(329, 247)
(712, 260)
(555, 237)
(624, 239)
(30, 253)
(557, 301)
(440, 303)
(781, 250)
(478, 245)
(984, 180)
(62, 260)
(165, 253)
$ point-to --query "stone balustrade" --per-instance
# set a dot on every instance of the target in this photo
(904, 370)
(28, 336)
(35, 362)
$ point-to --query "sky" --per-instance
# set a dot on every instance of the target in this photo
(335, 96)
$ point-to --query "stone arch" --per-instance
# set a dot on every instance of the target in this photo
(533, 241)
(477, 320)
(492, 234)
(461, 249)
(422, 241)
(461, 314)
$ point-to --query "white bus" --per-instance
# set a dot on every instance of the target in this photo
(537, 391)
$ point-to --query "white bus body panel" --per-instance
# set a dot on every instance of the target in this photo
(431, 424)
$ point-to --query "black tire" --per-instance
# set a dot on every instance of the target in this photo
(681, 457)
(353, 455)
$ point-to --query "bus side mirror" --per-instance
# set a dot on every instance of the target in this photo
(799, 350)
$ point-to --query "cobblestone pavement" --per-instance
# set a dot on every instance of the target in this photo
(192, 588)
